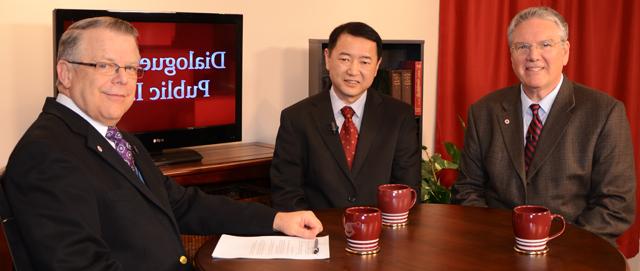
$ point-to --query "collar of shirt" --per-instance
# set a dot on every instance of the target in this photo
(545, 106)
(101, 128)
(357, 106)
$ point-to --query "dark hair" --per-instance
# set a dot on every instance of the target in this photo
(357, 29)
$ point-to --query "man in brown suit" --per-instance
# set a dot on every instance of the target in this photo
(549, 141)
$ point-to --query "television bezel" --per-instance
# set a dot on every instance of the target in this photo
(157, 141)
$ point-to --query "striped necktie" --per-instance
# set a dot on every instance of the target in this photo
(533, 134)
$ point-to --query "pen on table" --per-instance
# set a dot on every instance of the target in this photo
(316, 249)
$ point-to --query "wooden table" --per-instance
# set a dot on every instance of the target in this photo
(442, 237)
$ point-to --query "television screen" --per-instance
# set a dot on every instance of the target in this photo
(191, 90)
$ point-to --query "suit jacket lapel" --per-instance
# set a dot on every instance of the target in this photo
(152, 187)
(109, 154)
(98, 144)
(325, 123)
(368, 130)
(510, 122)
(554, 126)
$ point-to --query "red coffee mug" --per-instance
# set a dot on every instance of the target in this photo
(362, 227)
(531, 226)
(395, 201)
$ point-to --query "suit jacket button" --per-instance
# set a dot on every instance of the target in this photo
(351, 199)
(183, 259)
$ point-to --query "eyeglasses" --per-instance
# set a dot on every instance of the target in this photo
(107, 68)
(522, 48)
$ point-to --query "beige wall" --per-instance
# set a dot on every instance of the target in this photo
(276, 37)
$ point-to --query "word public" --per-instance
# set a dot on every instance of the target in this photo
(170, 66)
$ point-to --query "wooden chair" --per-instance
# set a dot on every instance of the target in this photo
(12, 235)
(192, 243)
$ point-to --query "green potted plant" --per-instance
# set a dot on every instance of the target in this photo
(434, 167)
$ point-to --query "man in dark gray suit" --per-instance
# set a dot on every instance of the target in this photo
(549, 141)
(333, 149)
(84, 199)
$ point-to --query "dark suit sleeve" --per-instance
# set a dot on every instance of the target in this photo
(55, 210)
(469, 188)
(406, 159)
(200, 213)
(287, 168)
(611, 207)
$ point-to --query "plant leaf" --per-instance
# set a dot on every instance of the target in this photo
(453, 151)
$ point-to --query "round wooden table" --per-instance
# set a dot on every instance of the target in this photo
(441, 237)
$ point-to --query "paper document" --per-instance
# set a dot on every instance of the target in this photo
(271, 247)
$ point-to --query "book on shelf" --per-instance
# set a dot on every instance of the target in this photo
(407, 86)
(400, 85)
(416, 69)
(395, 84)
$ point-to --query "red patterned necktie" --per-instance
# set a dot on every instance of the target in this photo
(348, 135)
(122, 146)
(533, 134)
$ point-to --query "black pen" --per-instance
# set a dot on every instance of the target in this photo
(316, 249)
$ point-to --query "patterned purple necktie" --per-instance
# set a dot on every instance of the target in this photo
(122, 146)
(533, 134)
(348, 135)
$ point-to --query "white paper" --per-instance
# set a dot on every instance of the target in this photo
(270, 247)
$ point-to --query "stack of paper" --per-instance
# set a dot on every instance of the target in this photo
(271, 247)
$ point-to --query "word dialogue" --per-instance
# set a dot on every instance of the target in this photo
(171, 66)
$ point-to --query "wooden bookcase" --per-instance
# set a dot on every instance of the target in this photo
(394, 54)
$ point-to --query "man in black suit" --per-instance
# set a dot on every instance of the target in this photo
(334, 149)
(80, 204)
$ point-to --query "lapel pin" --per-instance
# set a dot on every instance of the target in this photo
(99, 148)
(507, 121)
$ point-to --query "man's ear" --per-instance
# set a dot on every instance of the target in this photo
(327, 54)
(65, 73)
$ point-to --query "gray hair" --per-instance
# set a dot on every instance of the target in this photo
(68, 44)
(545, 13)
(70, 38)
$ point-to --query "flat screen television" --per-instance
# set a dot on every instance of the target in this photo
(191, 91)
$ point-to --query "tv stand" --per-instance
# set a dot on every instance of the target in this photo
(174, 156)
(238, 170)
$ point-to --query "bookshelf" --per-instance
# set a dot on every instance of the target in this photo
(397, 55)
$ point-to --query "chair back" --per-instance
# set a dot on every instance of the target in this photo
(12, 234)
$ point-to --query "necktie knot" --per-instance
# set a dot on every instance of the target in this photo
(122, 146)
(347, 112)
(113, 134)
(534, 108)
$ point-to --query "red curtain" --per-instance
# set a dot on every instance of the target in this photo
(473, 60)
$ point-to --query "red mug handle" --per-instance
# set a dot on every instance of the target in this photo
(347, 231)
(414, 197)
(561, 230)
